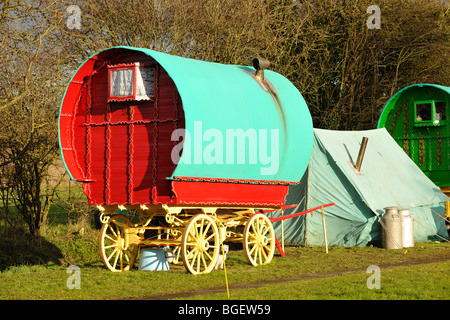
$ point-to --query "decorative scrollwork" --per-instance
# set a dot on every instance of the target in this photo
(170, 218)
(421, 152)
(439, 151)
(104, 218)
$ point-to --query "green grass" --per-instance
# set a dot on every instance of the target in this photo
(48, 279)
(37, 269)
(418, 282)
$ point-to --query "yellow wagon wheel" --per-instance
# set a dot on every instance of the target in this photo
(259, 240)
(200, 244)
(116, 254)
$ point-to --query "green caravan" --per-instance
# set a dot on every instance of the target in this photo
(417, 117)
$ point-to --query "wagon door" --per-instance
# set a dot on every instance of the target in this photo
(128, 110)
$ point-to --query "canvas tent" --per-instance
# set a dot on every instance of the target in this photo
(388, 177)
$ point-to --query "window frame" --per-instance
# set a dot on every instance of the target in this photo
(433, 121)
(128, 66)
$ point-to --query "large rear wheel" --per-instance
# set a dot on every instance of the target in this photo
(200, 244)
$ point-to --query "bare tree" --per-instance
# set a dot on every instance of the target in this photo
(29, 97)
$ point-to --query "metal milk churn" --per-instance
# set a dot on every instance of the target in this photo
(391, 229)
(407, 222)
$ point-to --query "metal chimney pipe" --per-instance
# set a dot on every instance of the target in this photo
(260, 65)
(362, 150)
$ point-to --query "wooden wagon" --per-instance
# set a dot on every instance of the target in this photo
(193, 152)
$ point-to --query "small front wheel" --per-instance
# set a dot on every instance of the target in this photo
(259, 240)
(116, 254)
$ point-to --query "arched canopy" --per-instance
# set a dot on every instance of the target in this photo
(390, 105)
(222, 104)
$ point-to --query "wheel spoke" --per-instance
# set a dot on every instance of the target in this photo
(116, 259)
(121, 259)
(200, 229)
(196, 253)
(112, 253)
(205, 231)
(266, 247)
(210, 237)
(126, 255)
(196, 227)
(204, 262)
(264, 230)
(198, 262)
(253, 249)
(264, 252)
(256, 254)
(112, 230)
(254, 236)
(209, 256)
(110, 238)
(253, 228)
(193, 253)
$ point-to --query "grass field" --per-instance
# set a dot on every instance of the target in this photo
(304, 273)
(31, 269)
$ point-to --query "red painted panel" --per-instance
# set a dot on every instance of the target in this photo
(220, 193)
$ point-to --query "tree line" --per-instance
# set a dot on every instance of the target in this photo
(345, 70)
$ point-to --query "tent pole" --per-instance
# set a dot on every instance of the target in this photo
(324, 230)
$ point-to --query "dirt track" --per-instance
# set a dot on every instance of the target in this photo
(188, 294)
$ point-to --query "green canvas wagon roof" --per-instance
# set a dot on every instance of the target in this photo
(223, 97)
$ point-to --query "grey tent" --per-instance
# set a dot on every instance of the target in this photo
(388, 177)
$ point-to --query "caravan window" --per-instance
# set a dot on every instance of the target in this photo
(429, 113)
(121, 82)
(131, 82)
(423, 112)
